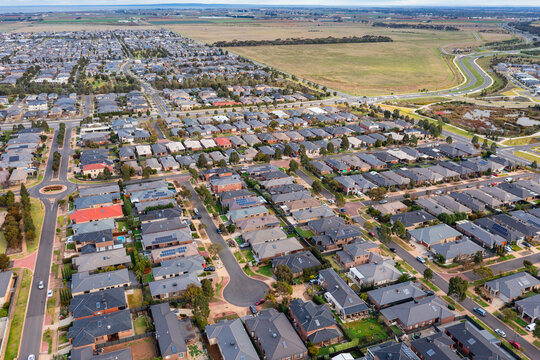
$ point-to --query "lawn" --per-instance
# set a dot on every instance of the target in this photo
(522, 141)
(135, 299)
(51, 306)
(140, 325)
(527, 156)
(361, 68)
(38, 213)
(451, 301)
(47, 337)
(265, 270)
(368, 329)
(239, 257)
(3, 243)
(248, 254)
(15, 331)
(429, 284)
(304, 233)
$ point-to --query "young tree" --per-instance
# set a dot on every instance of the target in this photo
(214, 249)
(283, 273)
(475, 140)
(449, 140)
(428, 274)
(147, 171)
(385, 234)
(344, 143)
(317, 186)
(202, 162)
(399, 229)
(330, 147)
(222, 163)
(207, 288)
(4, 262)
(377, 194)
(234, 158)
(287, 151)
(293, 166)
(340, 200)
(484, 272)
(458, 286)
(478, 257)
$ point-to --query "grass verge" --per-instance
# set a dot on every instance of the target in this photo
(15, 331)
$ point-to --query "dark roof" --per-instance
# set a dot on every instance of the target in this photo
(88, 304)
(392, 351)
(85, 331)
(412, 218)
(312, 317)
(171, 333)
(477, 341)
(437, 346)
(297, 262)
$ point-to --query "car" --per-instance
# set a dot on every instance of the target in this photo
(342, 210)
(253, 309)
(469, 186)
(210, 268)
(50, 293)
(244, 245)
(383, 201)
(371, 234)
(493, 184)
(531, 326)
(260, 302)
(438, 192)
(508, 179)
(218, 231)
(40, 285)
(526, 244)
(393, 250)
(500, 333)
(421, 259)
(480, 311)
(31, 357)
(515, 344)
(508, 248)
(416, 336)
(231, 243)
(429, 292)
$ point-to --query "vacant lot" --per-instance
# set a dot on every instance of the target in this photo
(412, 62)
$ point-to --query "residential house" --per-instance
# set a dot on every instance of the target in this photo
(98, 303)
(432, 235)
(358, 253)
(232, 340)
(93, 262)
(315, 323)
(511, 287)
(7, 282)
(454, 250)
(437, 346)
(395, 294)
(529, 308)
(345, 301)
(375, 274)
(173, 335)
(84, 282)
(297, 262)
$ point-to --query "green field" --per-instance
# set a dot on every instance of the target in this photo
(15, 331)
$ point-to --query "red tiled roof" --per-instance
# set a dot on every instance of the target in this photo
(107, 212)
(97, 166)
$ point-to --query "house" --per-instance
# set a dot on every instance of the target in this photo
(315, 323)
(332, 232)
(172, 334)
(94, 170)
(159, 255)
(161, 225)
(321, 167)
(87, 353)
(345, 301)
(257, 223)
(100, 261)
(173, 286)
(511, 287)
(268, 250)
(529, 308)
(358, 253)
(100, 329)
(246, 213)
(414, 315)
(480, 235)
(315, 213)
(96, 201)
(437, 346)
(144, 151)
(412, 219)
(179, 266)
(456, 249)
(395, 294)
(84, 282)
(7, 281)
(232, 340)
(226, 183)
(297, 262)
(95, 214)
(390, 351)
(274, 336)
(375, 274)
(475, 343)
(432, 235)
(264, 235)
(391, 208)
(97, 303)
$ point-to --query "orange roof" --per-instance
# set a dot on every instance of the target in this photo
(107, 212)
(96, 166)
(221, 141)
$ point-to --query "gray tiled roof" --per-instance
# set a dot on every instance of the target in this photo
(179, 265)
(419, 311)
(396, 293)
(88, 304)
(530, 306)
(341, 292)
(85, 331)
(433, 234)
(437, 346)
(276, 335)
(297, 262)
(513, 285)
(232, 339)
(83, 281)
(171, 333)
(93, 261)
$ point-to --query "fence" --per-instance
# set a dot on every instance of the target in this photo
(8, 324)
(124, 340)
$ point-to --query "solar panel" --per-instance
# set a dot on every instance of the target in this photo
(430, 352)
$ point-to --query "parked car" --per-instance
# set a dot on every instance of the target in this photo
(260, 302)
(527, 244)
(500, 333)
(383, 201)
(508, 179)
(480, 311)
(371, 234)
(421, 259)
(231, 243)
(438, 192)
(253, 309)
(515, 344)
(31, 357)
(393, 250)
(40, 285)
(531, 326)
(508, 248)
(244, 245)
(50, 293)
(210, 268)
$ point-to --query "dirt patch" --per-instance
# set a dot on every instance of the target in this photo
(142, 349)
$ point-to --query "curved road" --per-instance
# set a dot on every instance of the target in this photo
(32, 332)
(241, 290)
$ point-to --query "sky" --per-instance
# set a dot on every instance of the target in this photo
(380, 3)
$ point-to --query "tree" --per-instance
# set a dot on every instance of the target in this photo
(283, 273)
(458, 286)
(283, 288)
(484, 272)
(214, 249)
(191, 293)
(317, 186)
(278, 154)
(475, 140)
(378, 143)
(147, 171)
(428, 274)
(377, 194)
(399, 229)
(449, 140)
(222, 163)
(293, 166)
(534, 164)
(4, 262)
(344, 143)
(127, 172)
(330, 147)
(478, 257)
(509, 315)
(202, 162)
(340, 200)
(493, 148)
(234, 158)
(313, 350)
(385, 234)
(207, 288)
(536, 331)
(287, 151)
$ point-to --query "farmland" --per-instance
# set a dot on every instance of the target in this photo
(411, 62)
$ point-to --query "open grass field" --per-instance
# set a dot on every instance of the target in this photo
(410, 63)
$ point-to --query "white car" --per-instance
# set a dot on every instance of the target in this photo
(40, 285)
(531, 326)
(50, 293)
(500, 333)
(31, 357)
